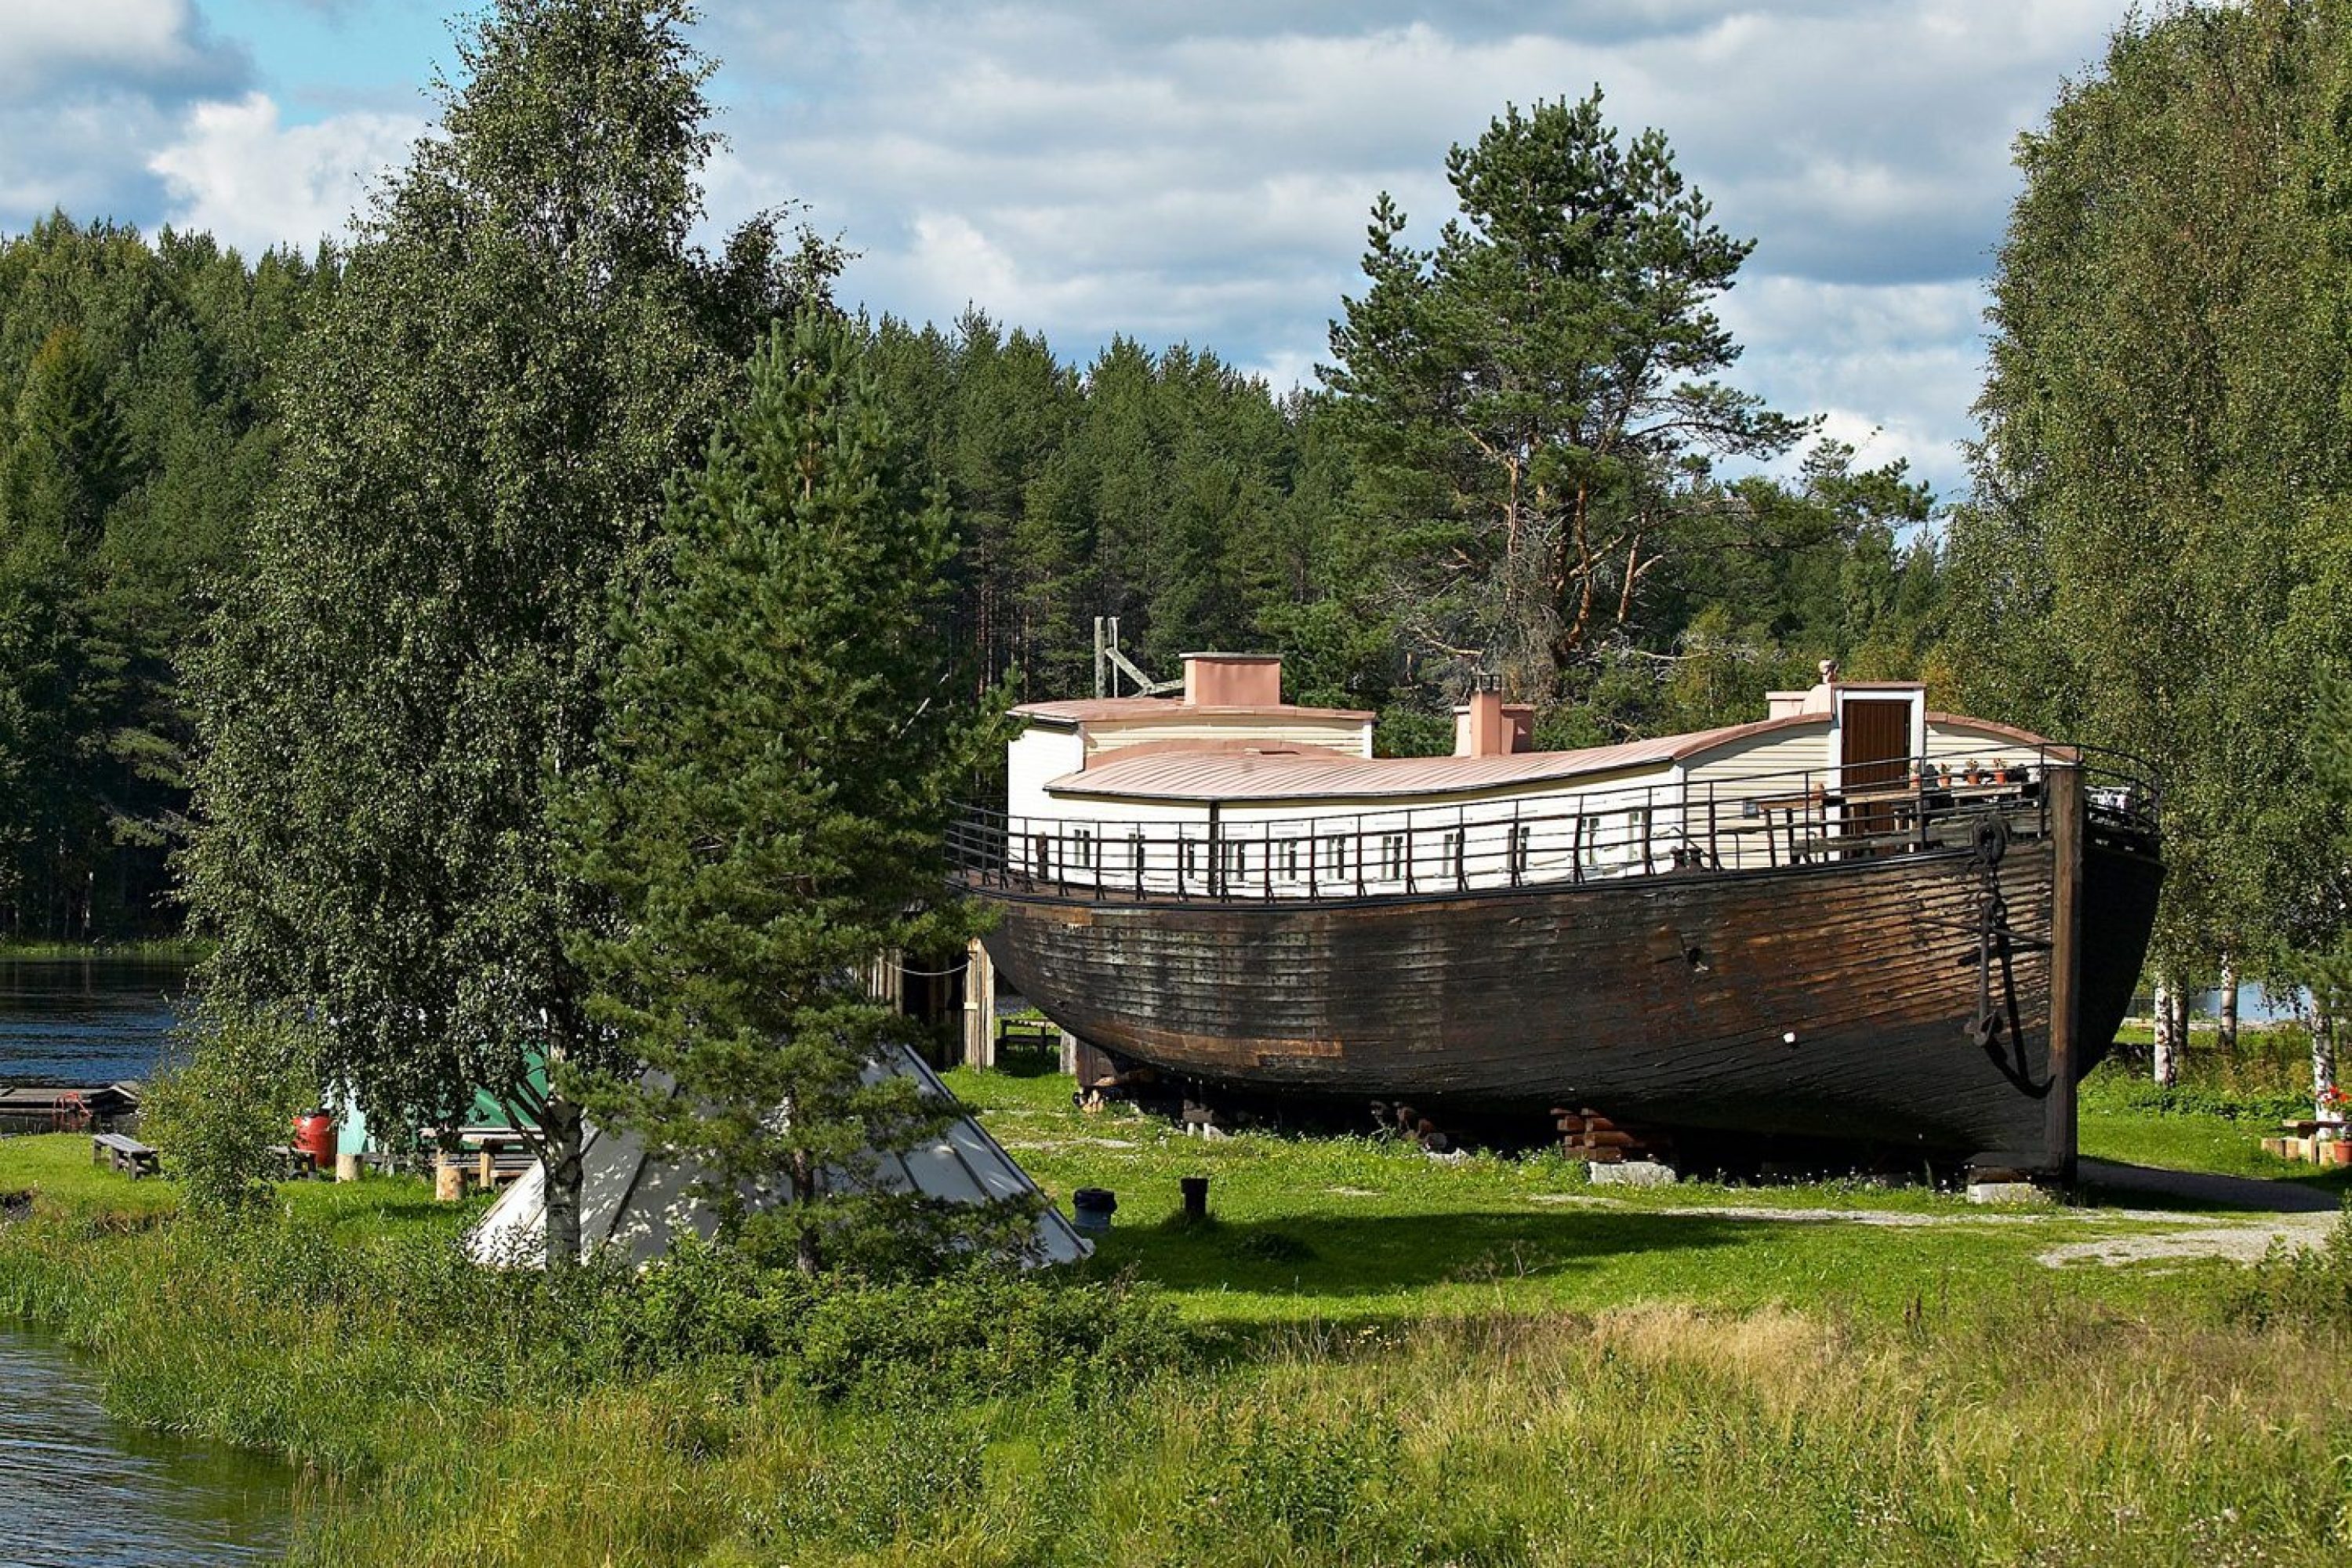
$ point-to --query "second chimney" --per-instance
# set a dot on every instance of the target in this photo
(1482, 727)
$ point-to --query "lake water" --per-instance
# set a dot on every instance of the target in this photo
(85, 1020)
(77, 1487)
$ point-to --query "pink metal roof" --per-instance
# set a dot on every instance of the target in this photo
(1105, 710)
(1278, 775)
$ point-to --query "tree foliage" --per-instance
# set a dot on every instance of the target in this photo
(2156, 557)
(135, 441)
(1529, 397)
(477, 433)
(770, 820)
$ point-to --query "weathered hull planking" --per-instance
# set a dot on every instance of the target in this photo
(1826, 1000)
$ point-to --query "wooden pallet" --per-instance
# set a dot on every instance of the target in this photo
(1586, 1134)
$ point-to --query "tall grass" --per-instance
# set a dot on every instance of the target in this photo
(706, 1411)
(1645, 1436)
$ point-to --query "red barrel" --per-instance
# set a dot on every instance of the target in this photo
(314, 1134)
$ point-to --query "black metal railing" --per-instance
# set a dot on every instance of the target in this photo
(1236, 851)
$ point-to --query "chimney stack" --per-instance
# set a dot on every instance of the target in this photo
(1233, 680)
(1484, 727)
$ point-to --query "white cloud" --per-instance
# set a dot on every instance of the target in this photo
(86, 88)
(254, 183)
(46, 43)
(1204, 172)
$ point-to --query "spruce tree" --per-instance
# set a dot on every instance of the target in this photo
(783, 740)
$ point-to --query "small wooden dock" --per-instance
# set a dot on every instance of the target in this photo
(69, 1108)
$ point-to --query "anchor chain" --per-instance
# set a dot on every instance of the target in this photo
(1988, 843)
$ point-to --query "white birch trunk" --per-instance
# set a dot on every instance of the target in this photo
(2165, 1056)
(2229, 1002)
(2323, 1058)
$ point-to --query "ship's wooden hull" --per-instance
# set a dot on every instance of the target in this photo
(1822, 1000)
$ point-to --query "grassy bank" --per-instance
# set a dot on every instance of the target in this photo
(2213, 1119)
(1370, 1357)
(152, 949)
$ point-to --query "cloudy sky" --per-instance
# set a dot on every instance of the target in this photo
(1174, 171)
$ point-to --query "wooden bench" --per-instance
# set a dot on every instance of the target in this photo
(291, 1164)
(125, 1154)
(1039, 1033)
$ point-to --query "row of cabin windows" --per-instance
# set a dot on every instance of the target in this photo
(1325, 856)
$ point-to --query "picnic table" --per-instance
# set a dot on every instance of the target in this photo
(2319, 1140)
(125, 1154)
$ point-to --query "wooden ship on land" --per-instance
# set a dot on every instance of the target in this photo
(1852, 919)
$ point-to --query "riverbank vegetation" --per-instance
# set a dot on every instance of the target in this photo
(1368, 1355)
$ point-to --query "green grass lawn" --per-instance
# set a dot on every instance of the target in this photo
(1399, 1360)
(1342, 1230)
(54, 1174)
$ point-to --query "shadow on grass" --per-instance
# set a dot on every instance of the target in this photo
(1026, 1061)
(1340, 1258)
(2197, 1192)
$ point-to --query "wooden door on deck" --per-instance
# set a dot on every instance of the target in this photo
(1877, 756)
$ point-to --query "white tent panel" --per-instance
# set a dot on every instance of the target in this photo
(641, 1207)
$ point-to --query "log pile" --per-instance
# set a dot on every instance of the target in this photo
(1586, 1134)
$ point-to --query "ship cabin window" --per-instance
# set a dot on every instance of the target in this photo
(1188, 859)
(1335, 855)
(1232, 858)
(1135, 851)
(1452, 862)
(1082, 848)
(1392, 856)
(1521, 835)
(1290, 860)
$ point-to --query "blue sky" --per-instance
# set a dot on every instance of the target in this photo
(1174, 171)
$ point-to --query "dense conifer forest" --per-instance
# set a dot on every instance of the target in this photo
(1202, 507)
(137, 434)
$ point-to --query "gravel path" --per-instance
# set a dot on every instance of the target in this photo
(2241, 1216)
(2265, 1212)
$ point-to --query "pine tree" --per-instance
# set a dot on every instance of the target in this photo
(768, 821)
(1528, 394)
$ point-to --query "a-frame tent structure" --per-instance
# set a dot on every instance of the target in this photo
(639, 1206)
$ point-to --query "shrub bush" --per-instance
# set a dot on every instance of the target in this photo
(229, 1094)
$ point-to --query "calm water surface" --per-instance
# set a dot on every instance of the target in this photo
(85, 1020)
(77, 1486)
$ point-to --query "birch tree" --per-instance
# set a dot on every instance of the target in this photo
(477, 435)
(2154, 562)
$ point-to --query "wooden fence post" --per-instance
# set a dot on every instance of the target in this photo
(979, 1006)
